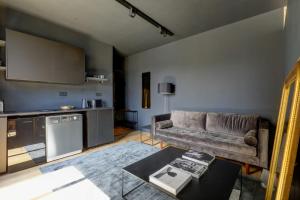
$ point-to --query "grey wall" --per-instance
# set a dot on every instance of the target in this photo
(235, 68)
(292, 34)
(31, 96)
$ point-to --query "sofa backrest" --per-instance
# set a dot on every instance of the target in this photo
(235, 124)
(189, 119)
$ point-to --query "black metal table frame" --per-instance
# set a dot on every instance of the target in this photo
(136, 187)
(173, 196)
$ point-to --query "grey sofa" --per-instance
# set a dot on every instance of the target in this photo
(222, 134)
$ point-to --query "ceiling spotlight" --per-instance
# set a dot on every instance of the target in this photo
(132, 13)
(163, 32)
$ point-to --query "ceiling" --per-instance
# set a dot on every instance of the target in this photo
(109, 22)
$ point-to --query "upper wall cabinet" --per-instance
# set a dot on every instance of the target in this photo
(31, 58)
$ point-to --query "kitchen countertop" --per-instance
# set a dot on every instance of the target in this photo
(50, 111)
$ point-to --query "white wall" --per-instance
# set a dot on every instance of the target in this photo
(235, 68)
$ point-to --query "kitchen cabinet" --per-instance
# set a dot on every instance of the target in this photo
(31, 58)
(99, 127)
(3, 152)
(26, 144)
(107, 125)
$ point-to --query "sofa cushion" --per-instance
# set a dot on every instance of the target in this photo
(227, 142)
(231, 123)
(189, 120)
(178, 132)
(164, 124)
(253, 160)
(195, 120)
(178, 118)
(250, 138)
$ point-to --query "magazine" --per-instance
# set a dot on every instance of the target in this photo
(170, 179)
(193, 168)
(199, 157)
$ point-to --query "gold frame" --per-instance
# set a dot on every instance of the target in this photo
(292, 140)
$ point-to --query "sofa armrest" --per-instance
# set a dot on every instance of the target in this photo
(158, 118)
(263, 143)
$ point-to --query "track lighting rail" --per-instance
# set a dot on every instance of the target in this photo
(133, 11)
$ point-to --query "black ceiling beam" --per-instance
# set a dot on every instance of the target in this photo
(145, 17)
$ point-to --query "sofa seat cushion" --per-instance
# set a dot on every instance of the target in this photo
(189, 120)
(235, 124)
(178, 132)
(226, 142)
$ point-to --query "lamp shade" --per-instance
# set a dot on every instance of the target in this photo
(166, 88)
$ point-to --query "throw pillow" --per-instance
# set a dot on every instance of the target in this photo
(164, 124)
(250, 138)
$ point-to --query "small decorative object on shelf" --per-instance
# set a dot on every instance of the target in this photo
(99, 78)
(2, 67)
(2, 43)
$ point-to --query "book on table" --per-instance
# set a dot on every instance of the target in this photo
(199, 157)
(170, 179)
(191, 167)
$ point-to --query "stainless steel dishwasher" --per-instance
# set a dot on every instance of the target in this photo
(63, 136)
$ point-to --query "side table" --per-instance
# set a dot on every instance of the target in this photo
(147, 128)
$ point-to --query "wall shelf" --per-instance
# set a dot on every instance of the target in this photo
(101, 80)
(2, 68)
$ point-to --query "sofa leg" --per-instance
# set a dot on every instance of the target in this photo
(247, 167)
(161, 145)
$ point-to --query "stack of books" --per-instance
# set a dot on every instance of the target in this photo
(170, 179)
(199, 157)
(177, 174)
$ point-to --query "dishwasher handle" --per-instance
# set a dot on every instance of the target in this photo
(53, 120)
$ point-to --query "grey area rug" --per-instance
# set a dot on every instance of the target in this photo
(103, 168)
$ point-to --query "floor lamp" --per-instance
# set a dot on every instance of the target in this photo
(166, 89)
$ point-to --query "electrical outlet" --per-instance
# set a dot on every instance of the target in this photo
(63, 94)
(98, 94)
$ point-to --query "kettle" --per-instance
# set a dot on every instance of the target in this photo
(84, 103)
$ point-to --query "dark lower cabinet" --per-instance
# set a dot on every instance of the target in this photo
(3, 144)
(26, 145)
(99, 127)
(26, 138)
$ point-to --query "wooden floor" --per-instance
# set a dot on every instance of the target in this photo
(10, 184)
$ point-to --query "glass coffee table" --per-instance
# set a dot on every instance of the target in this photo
(217, 182)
